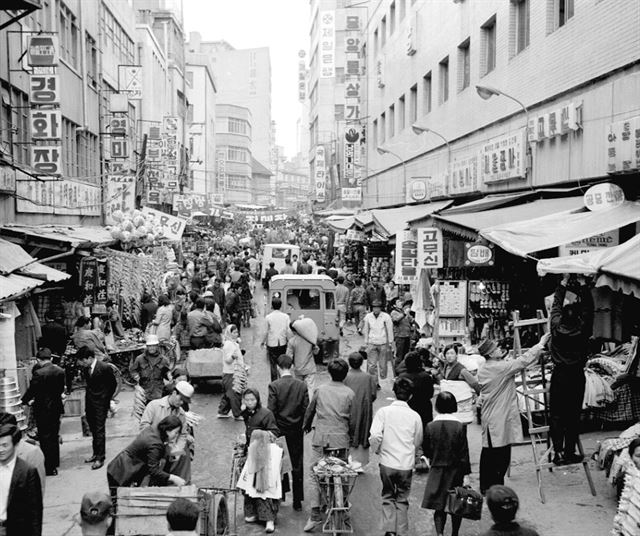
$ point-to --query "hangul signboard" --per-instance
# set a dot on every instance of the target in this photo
(407, 270)
(503, 158)
(119, 148)
(623, 145)
(46, 124)
(352, 194)
(154, 150)
(44, 89)
(320, 174)
(130, 80)
(351, 155)
(121, 195)
(7, 179)
(327, 49)
(58, 197)
(43, 51)
(172, 226)
(354, 236)
(464, 175)
(46, 160)
(302, 76)
(170, 124)
(118, 126)
(429, 247)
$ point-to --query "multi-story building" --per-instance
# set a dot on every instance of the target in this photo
(202, 129)
(233, 147)
(244, 79)
(67, 138)
(568, 71)
(293, 187)
(336, 84)
(261, 184)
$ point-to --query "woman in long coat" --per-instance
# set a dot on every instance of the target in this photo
(501, 425)
(144, 456)
(445, 445)
(364, 386)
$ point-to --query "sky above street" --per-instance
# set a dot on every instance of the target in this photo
(281, 25)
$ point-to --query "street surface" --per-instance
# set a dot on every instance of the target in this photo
(570, 509)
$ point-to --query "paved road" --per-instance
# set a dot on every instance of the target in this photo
(570, 509)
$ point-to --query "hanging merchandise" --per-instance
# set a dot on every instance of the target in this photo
(489, 306)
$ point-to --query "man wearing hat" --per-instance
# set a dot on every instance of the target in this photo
(100, 385)
(503, 504)
(96, 514)
(180, 462)
(501, 425)
(378, 338)
(151, 368)
(45, 390)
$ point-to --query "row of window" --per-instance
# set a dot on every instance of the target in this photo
(80, 153)
(237, 154)
(14, 124)
(238, 182)
(239, 126)
(401, 114)
(114, 36)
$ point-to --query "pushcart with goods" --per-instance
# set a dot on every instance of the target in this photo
(336, 480)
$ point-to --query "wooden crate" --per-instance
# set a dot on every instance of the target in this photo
(142, 511)
(74, 404)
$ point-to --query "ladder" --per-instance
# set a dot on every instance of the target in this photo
(537, 394)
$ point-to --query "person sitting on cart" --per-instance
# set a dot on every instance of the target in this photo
(260, 480)
(142, 462)
(179, 463)
(151, 369)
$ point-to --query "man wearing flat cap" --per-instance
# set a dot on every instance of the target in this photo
(45, 390)
(96, 514)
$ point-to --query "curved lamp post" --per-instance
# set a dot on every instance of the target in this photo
(382, 151)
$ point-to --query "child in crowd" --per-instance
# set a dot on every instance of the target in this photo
(503, 504)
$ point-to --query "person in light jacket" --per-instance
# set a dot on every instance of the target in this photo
(501, 425)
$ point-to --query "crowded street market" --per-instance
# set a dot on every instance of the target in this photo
(334, 267)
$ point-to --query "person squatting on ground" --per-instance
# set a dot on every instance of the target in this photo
(378, 338)
(331, 417)
(500, 416)
(571, 327)
(288, 401)
(445, 446)
(396, 433)
(260, 480)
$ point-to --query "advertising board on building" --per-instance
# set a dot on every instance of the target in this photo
(593, 243)
(463, 175)
(603, 196)
(130, 80)
(320, 174)
(407, 270)
(44, 89)
(354, 236)
(120, 195)
(623, 145)
(503, 158)
(557, 122)
(351, 168)
(478, 254)
(302, 76)
(7, 179)
(43, 51)
(47, 160)
(58, 197)
(327, 49)
(429, 247)
(351, 194)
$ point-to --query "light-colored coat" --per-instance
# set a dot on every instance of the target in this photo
(500, 414)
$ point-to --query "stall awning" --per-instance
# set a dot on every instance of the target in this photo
(392, 220)
(19, 273)
(341, 225)
(537, 234)
(60, 237)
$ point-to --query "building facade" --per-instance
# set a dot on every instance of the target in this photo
(244, 79)
(202, 128)
(234, 158)
(426, 59)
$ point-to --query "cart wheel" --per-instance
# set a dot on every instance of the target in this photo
(218, 521)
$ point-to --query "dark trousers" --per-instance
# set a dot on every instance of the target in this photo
(230, 399)
(396, 486)
(295, 444)
(48, 437)
(402, 348)
(566, 396)
(273, 353)
(197, 342)
(494, 462)
(97, 419)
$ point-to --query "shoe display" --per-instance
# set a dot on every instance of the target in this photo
(270, 527)
(97, 464)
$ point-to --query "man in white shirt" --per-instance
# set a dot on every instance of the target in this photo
(378, 337)
(395, 434)
(276, 336)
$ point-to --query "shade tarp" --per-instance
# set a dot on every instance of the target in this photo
(537, 234)
(341, 225)
(392, 220)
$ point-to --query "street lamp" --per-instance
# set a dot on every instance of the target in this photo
(419, 130)
(382, 151)
(486, 92)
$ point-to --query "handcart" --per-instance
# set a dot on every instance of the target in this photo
(142, 511)
(336, 481)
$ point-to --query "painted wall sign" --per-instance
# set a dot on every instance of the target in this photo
(603, 196)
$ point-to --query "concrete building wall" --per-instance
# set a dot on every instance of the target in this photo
(244, 79)
(591, 59)
(236, 147)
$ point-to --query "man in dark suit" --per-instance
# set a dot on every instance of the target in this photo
(288, 401)
(101, 384)
(54, 335)
(45, 389)
(20, 491)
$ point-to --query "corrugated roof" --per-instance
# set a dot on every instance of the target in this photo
(15, 259)
(73, 236)
(13, 285)
(391, 220)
